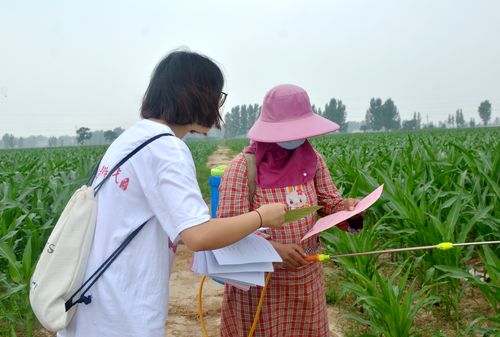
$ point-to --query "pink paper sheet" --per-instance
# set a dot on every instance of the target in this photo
(336, 218)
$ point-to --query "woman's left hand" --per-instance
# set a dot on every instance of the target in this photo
(355, 222)
(349, 204)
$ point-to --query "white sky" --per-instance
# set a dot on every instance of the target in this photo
(65, 64)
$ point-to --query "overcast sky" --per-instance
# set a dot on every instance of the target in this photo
(65, 64)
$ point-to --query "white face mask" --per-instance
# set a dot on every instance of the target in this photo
(293, 144)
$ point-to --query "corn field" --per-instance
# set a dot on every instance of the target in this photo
(34, 188)
(441, 185)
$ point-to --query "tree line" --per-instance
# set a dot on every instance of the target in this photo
(379, 116)
(84, 136)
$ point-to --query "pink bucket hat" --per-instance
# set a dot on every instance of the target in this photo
(287, 115)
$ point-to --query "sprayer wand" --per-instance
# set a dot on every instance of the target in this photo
(441, 246)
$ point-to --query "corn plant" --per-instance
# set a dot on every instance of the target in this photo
(491, 291)
(200, 151)
(34, 188)
(439, 186)
(390, 305)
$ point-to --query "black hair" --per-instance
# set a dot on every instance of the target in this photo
(185, 88)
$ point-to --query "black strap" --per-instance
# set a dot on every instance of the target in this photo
(105, 265)
(94, 173)
(95, 276)
(121, 162)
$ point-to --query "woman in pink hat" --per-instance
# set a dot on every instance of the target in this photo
(280, 165)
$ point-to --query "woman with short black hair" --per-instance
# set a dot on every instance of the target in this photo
(158, 183)
(185, 88)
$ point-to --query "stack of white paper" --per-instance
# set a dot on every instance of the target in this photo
(243, 264)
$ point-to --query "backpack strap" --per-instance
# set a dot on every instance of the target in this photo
(105, 265)
(251, 172)
(102, 268)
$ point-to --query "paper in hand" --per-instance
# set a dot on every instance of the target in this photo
(336, 218)
(242, 264)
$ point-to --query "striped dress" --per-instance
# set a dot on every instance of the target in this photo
(294, 303)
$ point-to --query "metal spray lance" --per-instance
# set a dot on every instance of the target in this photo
(441, 246)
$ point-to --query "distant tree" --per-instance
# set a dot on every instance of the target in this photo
(472, 123)
(97, 138)
(353, 126)
(83, 134)
(67, 140)
(52, 141)
(110, 136)
(391, 118)
(408, 125)
(373, 117)
(232, 122)
(9, 141)
(335, 111)
(459, 118)
(240, 119)
(485, 111)
(414, 123)
(418, 118)
(118, 131)
(253, 114)
(244, 123)
(384, 115)
(451, 120)
(20, 142)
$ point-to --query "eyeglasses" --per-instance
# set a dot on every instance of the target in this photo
(222, 99)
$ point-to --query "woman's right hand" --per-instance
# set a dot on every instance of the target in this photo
(273, 215)
(292, 254)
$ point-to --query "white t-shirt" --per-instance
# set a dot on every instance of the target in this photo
(131, 298)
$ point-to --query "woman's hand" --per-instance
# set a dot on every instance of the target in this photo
(349, 204)
(273, 215)
(292, 255)
(355, 222)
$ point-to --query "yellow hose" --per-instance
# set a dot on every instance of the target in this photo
(257, 313)
(259, 307)
(200, 307)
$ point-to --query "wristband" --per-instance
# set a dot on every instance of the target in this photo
(260, 216)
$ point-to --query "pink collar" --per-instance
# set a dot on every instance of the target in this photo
(279, 167)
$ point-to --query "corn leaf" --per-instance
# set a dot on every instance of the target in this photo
(299, 213)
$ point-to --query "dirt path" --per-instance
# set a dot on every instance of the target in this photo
(184, 284)
(183, 305)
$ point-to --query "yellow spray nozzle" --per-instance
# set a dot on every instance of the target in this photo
(317, 258)
(323, 257)
(445, 245)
